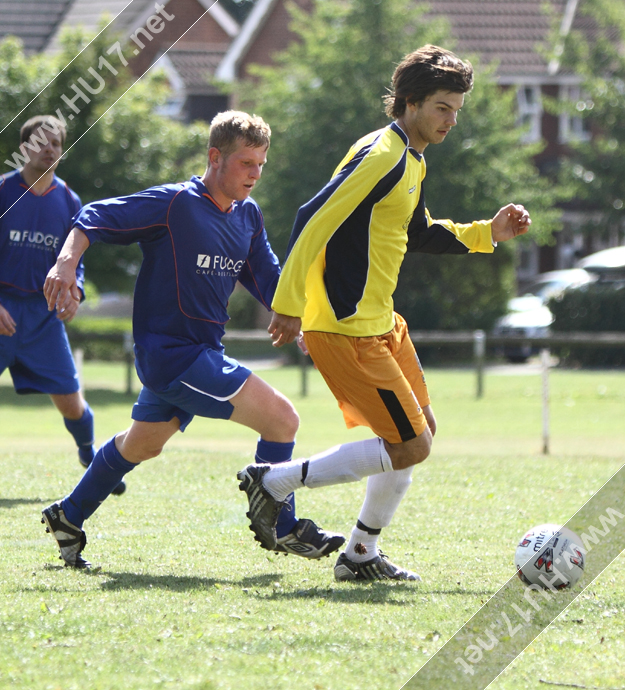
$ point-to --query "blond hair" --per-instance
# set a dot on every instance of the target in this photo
(229, 128)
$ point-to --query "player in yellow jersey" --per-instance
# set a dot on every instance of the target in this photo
(343, 260)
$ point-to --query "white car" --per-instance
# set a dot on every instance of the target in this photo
(608, 264)
(528, 315)
(554, 283)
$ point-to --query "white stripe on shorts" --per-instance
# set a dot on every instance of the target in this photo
(215, 397)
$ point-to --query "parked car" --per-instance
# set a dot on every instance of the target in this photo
(529, 316)
(554, 283)
(608, 264)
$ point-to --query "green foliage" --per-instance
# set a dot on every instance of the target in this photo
(593, 307)
(99, 324)
(326, 91)
(596, 171)
(107, 341)
(242, 309)
(117, 144)
(21, 79)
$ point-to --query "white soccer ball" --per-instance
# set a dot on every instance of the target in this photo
(550, 556)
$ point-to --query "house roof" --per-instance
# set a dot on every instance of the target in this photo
(88, 14)
(33, 21)
(128, 15)
(194, 66)
(511, 34)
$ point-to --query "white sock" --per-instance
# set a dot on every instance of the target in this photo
(349, 462)
(362, 546)
(384, 494)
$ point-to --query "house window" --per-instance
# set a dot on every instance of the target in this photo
(527, 262)
(571, 126)
(530, 112)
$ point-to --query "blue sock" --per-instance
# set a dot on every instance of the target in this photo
(101, 477)
(82, 431)
(271, 452)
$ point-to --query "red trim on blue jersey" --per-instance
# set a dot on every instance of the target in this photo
(219, 206)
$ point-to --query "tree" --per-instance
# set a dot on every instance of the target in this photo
(110, 152)
(326, 91)
(596, 168)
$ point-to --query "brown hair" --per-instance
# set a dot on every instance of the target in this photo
(422, 73)
(49, 123)
(227, 129)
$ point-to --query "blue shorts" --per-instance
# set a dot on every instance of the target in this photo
(38, 355)
(204, 389)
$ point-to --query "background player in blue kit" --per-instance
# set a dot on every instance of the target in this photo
(198, 239)
(36, 209)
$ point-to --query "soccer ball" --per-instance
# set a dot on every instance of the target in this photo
(550, 554)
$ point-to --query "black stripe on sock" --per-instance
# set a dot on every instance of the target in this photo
(368, 530)
(304, 471)
(398, 414)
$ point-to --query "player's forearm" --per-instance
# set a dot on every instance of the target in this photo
(75, 246)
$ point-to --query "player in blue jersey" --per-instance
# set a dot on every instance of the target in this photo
(198, 238)
(36, 209)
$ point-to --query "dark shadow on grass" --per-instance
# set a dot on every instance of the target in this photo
(95, 396)
(485, 593)
(380, 592)
(13, 502)
(357, 593)
(265, 587)
(179, 583)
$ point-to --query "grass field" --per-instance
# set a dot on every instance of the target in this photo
(185, 599)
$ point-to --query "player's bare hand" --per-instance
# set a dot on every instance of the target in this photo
(509, 222)
(301, 343)
(68, 312)
(60, 288)
(284, 329)
(7, 325)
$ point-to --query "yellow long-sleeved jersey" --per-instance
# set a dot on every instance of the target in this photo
(349, 241)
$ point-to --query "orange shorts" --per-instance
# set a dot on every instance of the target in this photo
(378, 381)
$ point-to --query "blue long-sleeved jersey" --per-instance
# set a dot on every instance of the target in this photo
(193, 255)
(32, 231)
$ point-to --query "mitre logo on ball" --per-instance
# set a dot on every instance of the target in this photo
(550, 556)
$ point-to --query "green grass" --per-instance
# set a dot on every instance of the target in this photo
(184, 598)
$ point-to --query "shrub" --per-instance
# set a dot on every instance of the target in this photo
(594, 307)
(99, 348)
